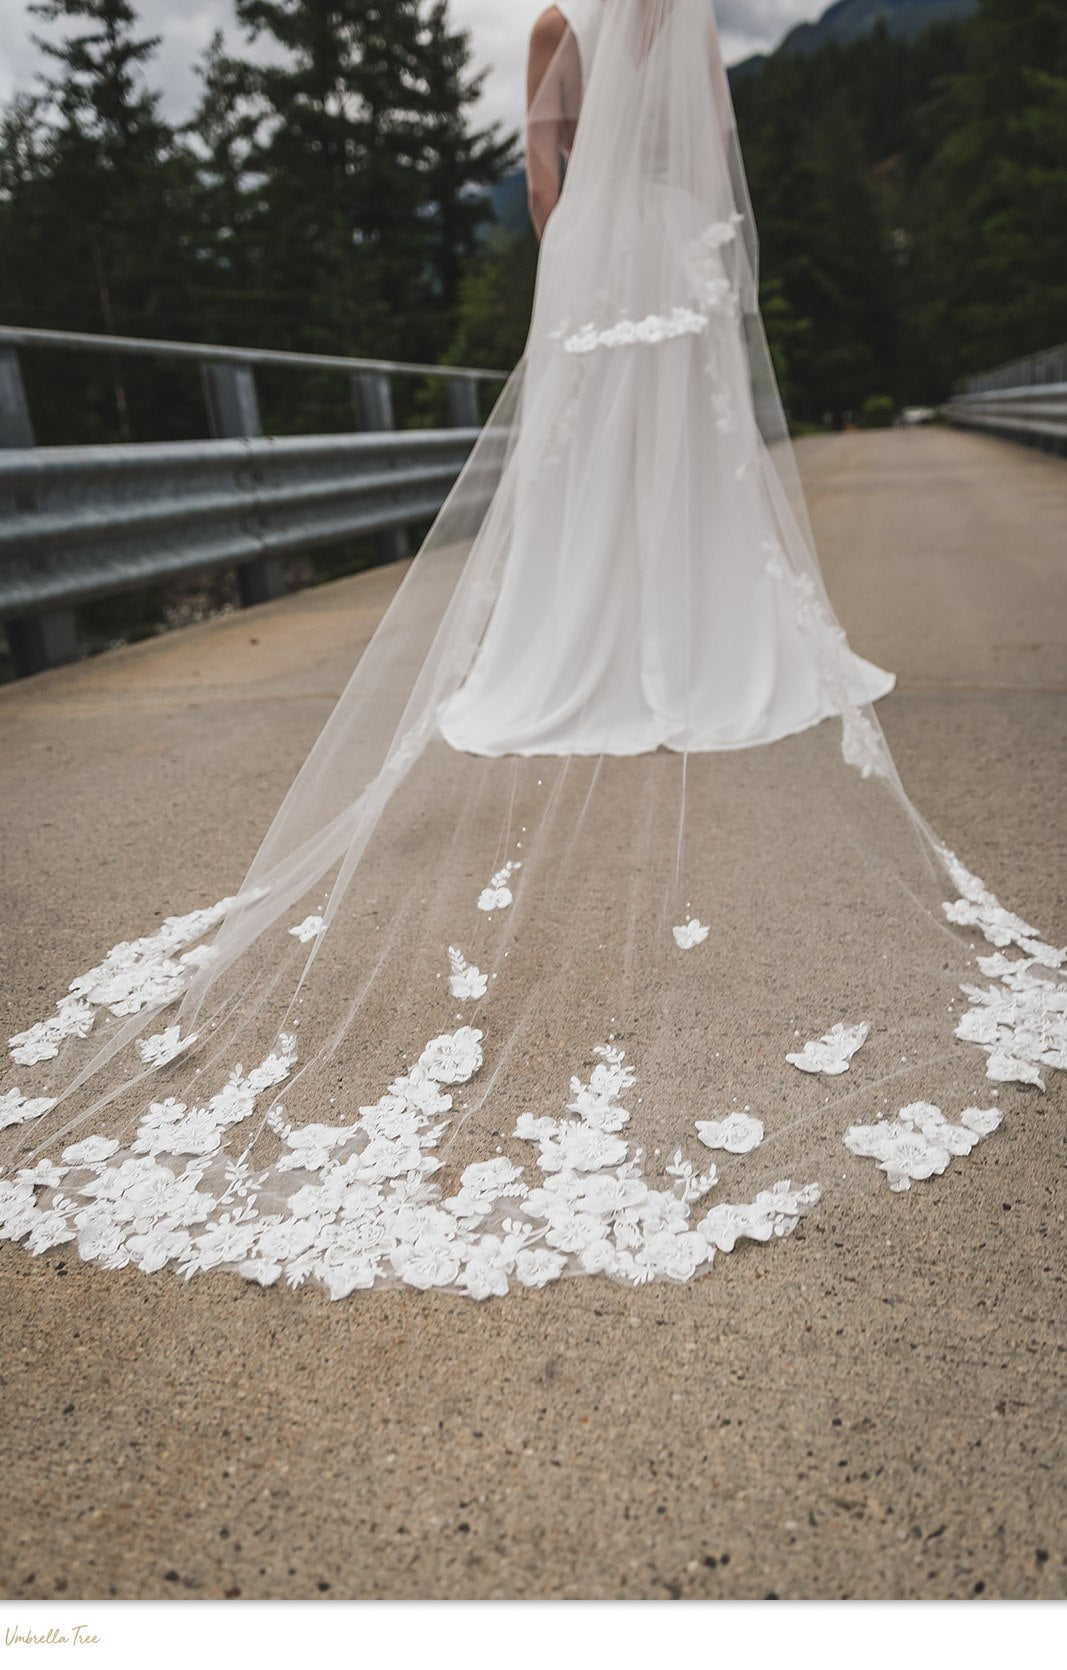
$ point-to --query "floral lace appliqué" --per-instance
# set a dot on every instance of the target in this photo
(921, 1142)
(307, 930)
(465, 980)
(352, 1205)
(738, 1133)
(1020, 1019)
(498, 895)
(832, 1053)
(137, 974)
(691, 933)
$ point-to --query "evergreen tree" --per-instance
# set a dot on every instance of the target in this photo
(224, 132)
(96, 231)
(989, 282)
(461, 164)
(825, 246)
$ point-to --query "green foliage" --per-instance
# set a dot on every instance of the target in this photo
(910, 193)
(989, 276)
(330, 198)
(877, 412)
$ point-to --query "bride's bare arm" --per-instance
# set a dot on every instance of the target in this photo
(552, 68)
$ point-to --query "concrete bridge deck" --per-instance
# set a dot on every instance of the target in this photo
(839, 1437)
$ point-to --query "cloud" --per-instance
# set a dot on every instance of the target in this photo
(499, 28)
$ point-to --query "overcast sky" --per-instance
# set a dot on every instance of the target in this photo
(499, 28)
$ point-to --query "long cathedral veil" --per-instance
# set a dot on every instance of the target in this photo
(597, 932)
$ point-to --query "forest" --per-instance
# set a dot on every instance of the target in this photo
(338, 193)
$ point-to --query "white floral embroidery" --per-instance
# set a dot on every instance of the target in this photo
(163, 1046)
(91, 1151)
(15, 1108)
(862, 744)
(498, 895)
(353, 1203)
(454, 1057)
(1020, 1020)
(135, 975)
(774, 1213)
(646, 332)
(307, 930)
(690, 933)
(832, 1053)
(311, 1147)
(920, 1143)
(711, 293)
(738, 1133)
(465, 981)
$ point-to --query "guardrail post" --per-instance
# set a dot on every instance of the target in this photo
(372, 401)
(233, 412)
(463, 403)
(16, 428)
(50, 638)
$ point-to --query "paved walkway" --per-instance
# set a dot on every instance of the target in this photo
(882, 1417)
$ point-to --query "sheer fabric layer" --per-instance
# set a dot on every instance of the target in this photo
(660, 982)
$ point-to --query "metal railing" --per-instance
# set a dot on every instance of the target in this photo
(1024, 401)
(77, 523)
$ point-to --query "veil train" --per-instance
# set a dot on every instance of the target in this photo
(597, 933)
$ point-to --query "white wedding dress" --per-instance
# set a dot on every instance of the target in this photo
(681, 962)
(638, 610)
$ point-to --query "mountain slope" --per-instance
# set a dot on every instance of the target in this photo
(850, 20)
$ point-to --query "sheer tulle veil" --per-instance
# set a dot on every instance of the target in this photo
(597, 934)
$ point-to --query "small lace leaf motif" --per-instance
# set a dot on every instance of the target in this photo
(498, 895)
(15, 1108)
(465, 981)
(738, 1133)
(689, 1183)
(307, 930)
(690, 933)
(832, 1053)
(920, 1143)
(163, 1046)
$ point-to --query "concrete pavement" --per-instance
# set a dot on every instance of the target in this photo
(883, 1416)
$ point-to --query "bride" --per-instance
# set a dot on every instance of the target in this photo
(597, 933)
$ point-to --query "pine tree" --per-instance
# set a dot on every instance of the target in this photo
(224, 132)
(373, 182)
(461, 164)
(989, 281)
(98, 233)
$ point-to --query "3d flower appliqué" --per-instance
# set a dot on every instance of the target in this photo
(920, 1143)
(465, 981)
(690, 933)
(307, 930)
(15, 1108)
(832, 1053)
(738, 1133)
(163, 1046)
(498, 895)
(454, 1057)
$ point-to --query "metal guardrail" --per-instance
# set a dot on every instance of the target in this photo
(77, 523)
(1024, 401)
(210, 353)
